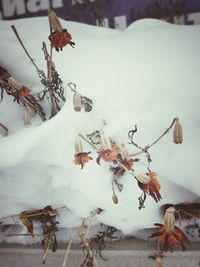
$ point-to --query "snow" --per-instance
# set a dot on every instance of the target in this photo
(146, 75)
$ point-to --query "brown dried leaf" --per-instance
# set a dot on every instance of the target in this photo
(28, 223)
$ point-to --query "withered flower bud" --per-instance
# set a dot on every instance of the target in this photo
(105, 141)
(115, 198)
(169, 219)
(142, 178)
(177, 133)
(77, 101)
(78, 145)
(54, 21)
(124, 152)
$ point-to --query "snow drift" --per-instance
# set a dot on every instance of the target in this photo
(146, 75)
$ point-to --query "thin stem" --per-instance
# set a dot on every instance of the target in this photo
(87, 141)
(25, 50)
(144, 150)
(47, 250)
(70, 86)
(95, 261)
(68, 247)
(158, 246)
(31, 214)
(26, 234)
(4, 127)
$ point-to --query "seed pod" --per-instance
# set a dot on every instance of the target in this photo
(77, 99)
(26, 117)
(78, 145)
(142, 178)
(14, 84)
(177, 133)
(105, 141)
(169, 219)
(115, 198)
(54, 21)
(124, 152)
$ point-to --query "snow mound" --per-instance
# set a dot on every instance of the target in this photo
(147, 75)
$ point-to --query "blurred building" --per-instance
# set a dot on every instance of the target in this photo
(109, 13)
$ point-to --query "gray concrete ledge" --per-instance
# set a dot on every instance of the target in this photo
(21, 257)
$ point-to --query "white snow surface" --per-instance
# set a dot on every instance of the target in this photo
(146, 75)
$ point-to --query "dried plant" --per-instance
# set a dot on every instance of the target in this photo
(46, 219)
(124, 161)
(20, 93)
(52, 82)
(83, 231)
(80, 101)
(190, 214)
(58, 37)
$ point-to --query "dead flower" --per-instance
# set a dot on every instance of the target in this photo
(150, 185)
(24, 91)
(59, 37)
(169, 234)
(109, 150)
(80, 157)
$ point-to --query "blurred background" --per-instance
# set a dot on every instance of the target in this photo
(106, 13)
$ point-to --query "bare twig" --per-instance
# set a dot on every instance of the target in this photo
(25, 50)
(47, 249)
(144, 150)
(64, 264)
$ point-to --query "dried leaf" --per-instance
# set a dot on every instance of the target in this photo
(86, 103)
(4, 74)
(28, 223)
(55, 244)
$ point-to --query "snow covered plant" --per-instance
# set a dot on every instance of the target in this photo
(52, 83)
(122, 160)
